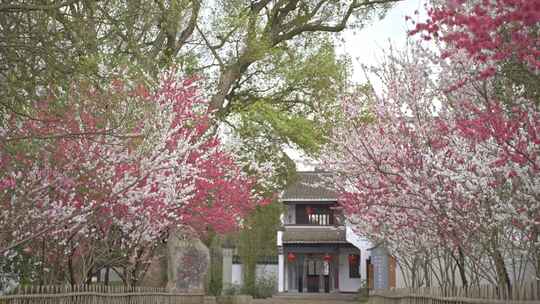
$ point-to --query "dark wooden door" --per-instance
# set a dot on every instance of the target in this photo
(313, 274)
(313, 283)
(300, 277)
(369, 273)
(391, 271)
(327, 283)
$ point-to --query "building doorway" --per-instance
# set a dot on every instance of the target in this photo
(313, 274)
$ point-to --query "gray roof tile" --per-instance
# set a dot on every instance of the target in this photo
(309, 186)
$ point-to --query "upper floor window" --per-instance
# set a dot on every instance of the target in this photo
(322, 215)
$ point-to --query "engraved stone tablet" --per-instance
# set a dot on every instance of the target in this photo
(188, 265)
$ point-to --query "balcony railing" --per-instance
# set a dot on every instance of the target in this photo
(320, 219)
(313, 215)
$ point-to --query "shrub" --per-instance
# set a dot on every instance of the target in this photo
(264, 287)
(363, 292)
(231, 289)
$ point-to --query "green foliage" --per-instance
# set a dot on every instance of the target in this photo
(20, 268)
(215, 273)
(302, 91)
(263, 288)
(293, 99)
(265, 119)
(515, 79)
(263, 150)
(258, 238)
(232, 289)
(363, 292)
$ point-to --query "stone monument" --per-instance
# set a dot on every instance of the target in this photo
(188, 262)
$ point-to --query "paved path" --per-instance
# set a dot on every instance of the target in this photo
(309, 298)
(301, 301)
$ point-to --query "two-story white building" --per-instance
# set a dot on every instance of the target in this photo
(317, 251)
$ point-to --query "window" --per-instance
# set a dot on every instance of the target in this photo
(354, 265)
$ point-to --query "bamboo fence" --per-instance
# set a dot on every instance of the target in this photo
(488, 294)
(98, 294)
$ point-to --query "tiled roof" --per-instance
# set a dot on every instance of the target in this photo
(309, 186)
(294, 235)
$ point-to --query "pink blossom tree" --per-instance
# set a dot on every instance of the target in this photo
(423, 166)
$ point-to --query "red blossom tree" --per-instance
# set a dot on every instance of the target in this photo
(490, 31)
(500, 36)
(128, 172)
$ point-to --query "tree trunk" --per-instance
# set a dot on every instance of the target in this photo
(249, 274)
(42, 275)
(229, 77)
(503, 279)
(414, 270)
(89, 275)
(426, 266)
(226, 81)
(460, 262)
(107, 271)
(535, 257)
(215, 280)
(71, 270)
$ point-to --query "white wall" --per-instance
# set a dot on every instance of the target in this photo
(363, 244)
(262, 271)
(281, 274)
(267, 271)
(237, 274)
(347, 284)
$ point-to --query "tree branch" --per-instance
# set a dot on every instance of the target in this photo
(29, 7)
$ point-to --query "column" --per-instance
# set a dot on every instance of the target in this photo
(227, 267)
(281, 270)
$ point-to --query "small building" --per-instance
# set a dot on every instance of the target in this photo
(317, 251)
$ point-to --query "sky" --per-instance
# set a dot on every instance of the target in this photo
(364, 47)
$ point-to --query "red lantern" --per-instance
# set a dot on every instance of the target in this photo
(291, 257)
(327, 257)
(352, 258)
